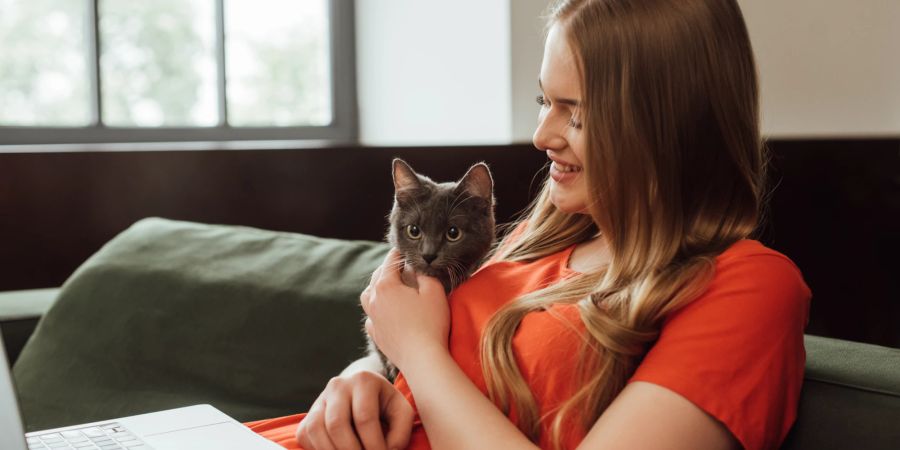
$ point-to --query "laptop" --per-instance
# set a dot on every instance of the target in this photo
(192, 427)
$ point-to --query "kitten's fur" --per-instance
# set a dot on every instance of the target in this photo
(434, 208)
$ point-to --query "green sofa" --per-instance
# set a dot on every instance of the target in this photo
(254, 322)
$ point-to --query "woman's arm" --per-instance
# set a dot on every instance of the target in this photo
(455, 414)
(644, 415)
(649, 416)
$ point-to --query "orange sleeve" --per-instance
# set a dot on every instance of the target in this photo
(737, 350)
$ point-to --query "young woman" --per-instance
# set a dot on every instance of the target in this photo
(629, 308)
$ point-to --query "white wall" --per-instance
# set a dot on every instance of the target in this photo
(527, 49)
(466, 71)
(433, 72)
(827, 67)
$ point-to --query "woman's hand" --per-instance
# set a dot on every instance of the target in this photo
(404, 320)
(349, 413)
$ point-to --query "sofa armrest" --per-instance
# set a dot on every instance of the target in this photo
(850, 397)
(20, 312)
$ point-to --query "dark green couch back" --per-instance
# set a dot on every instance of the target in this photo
(174, 313)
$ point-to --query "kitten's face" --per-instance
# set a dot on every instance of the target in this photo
(442, 229)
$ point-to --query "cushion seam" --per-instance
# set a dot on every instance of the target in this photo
(853, 386)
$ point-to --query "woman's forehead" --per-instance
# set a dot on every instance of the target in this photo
(559, 72)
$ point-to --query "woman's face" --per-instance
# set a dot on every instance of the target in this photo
(559, 132)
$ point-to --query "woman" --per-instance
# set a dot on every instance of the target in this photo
(628, 308)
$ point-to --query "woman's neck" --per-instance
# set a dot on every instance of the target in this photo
(590, 255)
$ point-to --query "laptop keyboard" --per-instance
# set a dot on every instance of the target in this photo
(109, 436)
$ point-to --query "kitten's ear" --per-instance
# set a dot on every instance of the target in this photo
(478, 181)
(404, 177)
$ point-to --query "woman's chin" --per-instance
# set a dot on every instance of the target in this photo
(566, 202)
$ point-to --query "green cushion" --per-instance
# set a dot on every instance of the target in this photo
(174, 313)
(850, 397)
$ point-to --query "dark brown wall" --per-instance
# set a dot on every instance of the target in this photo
(835, 212)
(56, 209)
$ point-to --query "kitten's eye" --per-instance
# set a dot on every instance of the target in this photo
(413, 232)
(453, 234)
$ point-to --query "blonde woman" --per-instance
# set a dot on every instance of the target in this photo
(629, 308)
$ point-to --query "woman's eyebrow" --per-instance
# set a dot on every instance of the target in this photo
(564, 101)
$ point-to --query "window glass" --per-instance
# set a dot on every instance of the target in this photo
(277, 66)
(43, 63)
(158, 65)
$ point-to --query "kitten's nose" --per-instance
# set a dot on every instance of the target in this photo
(429, 258)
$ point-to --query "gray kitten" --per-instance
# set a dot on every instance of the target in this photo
(443, 230)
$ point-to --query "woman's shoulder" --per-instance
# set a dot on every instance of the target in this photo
(743, 249)
(753, 281)
(749, 257)
(736, 351)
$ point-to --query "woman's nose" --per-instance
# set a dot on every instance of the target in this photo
(546, 136)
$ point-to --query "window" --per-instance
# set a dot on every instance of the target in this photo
(84, 71)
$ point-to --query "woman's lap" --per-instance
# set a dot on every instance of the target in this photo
(279, 430)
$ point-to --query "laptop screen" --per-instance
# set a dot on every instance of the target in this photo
(12, 435)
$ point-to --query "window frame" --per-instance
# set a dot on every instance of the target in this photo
(343, 127)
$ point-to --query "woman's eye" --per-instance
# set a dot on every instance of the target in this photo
(543, 102)
(413, 231)
(453, 234)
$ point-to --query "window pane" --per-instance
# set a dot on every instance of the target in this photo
(277, 58)
(157, 62)
(43, 63)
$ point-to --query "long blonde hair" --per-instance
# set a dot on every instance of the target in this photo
(675, 169)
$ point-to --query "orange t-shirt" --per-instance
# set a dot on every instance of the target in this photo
(736, 351)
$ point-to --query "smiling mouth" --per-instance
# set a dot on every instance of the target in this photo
(565, 168)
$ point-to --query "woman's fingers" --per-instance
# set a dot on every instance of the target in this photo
(429, 286)
(364, 299)
(370, 330)
(367, 411)
(399, 415)
(349, 413)
(311, 434)
(339, 422)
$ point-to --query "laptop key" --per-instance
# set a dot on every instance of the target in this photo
(93, 432)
